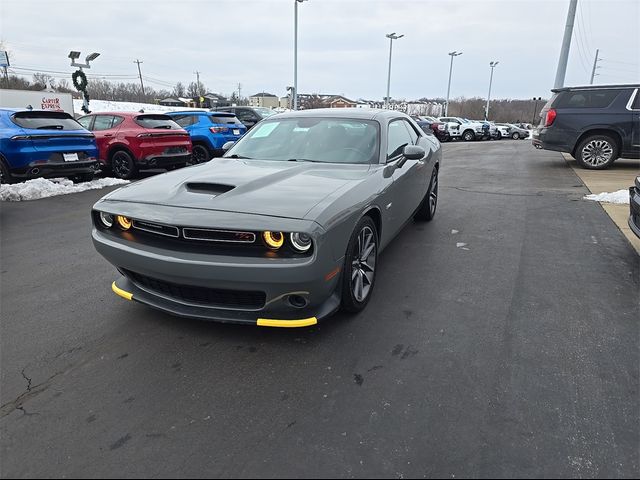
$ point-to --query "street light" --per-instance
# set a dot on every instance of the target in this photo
(452, 54)
(391, 37)
(486, 110)
(295, 54)
(73, 55)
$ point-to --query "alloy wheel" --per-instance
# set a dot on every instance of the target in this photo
(597, 153)
(200, 154)
(363, 264)
(120, 165)
(433, 194)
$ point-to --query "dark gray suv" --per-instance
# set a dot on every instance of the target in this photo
(595, 124)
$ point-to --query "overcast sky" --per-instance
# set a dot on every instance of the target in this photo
(342, 44)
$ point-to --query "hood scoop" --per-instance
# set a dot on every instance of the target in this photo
(209, 188)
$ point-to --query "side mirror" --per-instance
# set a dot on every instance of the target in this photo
(227, 146)
(411, 152)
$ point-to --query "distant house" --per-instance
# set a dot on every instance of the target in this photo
(175, 102)
(338, 101)
(264, 99)
(214, 100)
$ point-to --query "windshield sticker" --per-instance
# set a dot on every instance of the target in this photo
(265, 129)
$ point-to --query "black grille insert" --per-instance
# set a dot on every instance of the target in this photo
(210, 297)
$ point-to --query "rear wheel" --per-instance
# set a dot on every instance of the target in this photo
(123, 165)
(359, 273)
(200, 154)
(597, 152)
(5, 174)
(82, 177)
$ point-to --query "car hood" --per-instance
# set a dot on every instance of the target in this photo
(274, 188)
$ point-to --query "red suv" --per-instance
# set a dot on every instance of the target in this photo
(128, 142)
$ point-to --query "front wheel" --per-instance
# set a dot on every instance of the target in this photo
(468, 136)
(597, 152)
(427, 209)
(359, 272)
(515, 135)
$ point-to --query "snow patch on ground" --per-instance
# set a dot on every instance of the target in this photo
(51, 187)
(97, 106)
(620, 197)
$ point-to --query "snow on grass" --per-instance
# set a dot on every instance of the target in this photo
(97, 106)
(51, 187)
(620, 197)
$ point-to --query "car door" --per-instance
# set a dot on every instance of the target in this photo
(407, 182)
(102, 127)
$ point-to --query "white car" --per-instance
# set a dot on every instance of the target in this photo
(468, 130)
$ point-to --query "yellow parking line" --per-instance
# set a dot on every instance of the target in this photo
(120, 292)
(305, 322)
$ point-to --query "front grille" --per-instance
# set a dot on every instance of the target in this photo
(210, 297)
(212, 235)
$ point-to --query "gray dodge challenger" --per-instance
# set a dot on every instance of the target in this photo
(284, 229)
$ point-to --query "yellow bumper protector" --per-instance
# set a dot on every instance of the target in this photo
(120, 292)
(305, 322)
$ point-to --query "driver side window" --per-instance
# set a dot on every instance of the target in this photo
(397, 138)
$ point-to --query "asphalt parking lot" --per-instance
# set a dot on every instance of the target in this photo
(502, 340)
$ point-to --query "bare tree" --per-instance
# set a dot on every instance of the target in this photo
(179, 90)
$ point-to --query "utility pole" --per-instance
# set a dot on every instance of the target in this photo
(198, 85)
(140, 73)
(295, 54)
(595, 65)
(566, 45)
(239, 93)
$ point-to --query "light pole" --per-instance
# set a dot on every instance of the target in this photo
(295, 54)
(535, 109)
(391, 37)
(74, 55)
(452, 54)
(486, 110)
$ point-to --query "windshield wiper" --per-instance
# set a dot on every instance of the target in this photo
(238, 156)
(51, 127)
(303, 160)
(167, 127)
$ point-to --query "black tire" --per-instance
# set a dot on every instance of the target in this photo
(597, 152)
(498, 135)
(5, 175)
(468, 136)
(200, 154)
(515, 135)
(82, 177)
(123, 165)
(427, 209)
(354, 263)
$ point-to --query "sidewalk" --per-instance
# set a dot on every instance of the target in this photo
(620, 176)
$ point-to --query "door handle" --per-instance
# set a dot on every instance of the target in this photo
(108, 134)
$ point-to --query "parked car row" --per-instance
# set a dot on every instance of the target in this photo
(35, 143)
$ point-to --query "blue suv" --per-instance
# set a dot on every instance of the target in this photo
(39, 143)
(209, 131)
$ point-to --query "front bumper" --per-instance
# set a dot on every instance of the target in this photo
(277, 280)
(634, 207)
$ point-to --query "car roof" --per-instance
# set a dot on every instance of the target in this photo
(360, 113)
(597, 87)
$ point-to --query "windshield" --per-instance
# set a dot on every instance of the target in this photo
(327, 140)
(265, 112)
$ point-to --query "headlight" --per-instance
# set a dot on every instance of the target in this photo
(123, 222)
(273, 240)
(106, 219)
(300, 241)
